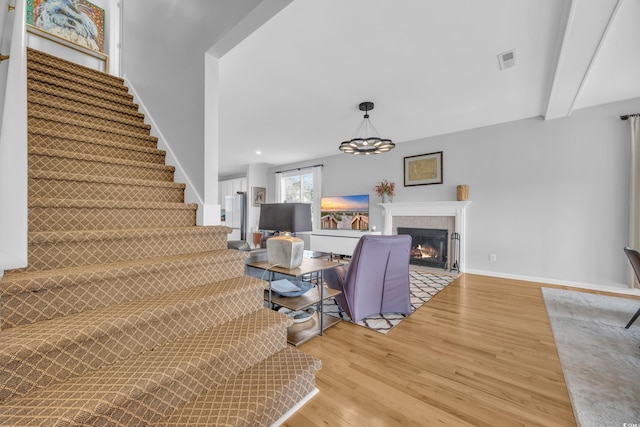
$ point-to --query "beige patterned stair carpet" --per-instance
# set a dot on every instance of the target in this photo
(128, 313)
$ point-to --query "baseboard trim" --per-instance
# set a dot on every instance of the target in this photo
(622, 289)
(293, 410)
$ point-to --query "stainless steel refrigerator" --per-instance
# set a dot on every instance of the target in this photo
(235, 212)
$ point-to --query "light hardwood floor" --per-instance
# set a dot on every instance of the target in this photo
(480, 353)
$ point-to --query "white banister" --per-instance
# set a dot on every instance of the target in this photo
(13, 149)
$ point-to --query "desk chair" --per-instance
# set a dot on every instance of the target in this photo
(377, 278)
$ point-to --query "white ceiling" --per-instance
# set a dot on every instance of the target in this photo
(291, 89)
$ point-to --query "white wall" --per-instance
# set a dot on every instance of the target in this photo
(163, 56)
(549, 198)
(257, 176)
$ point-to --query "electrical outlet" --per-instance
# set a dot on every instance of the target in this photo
(493, 257)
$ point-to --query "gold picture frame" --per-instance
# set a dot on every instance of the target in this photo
(79, 22)
(423, 169)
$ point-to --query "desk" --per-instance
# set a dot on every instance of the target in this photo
(313, 267)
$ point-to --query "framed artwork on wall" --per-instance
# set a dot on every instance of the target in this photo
(423, 169)
(258, 195)
(77, 21)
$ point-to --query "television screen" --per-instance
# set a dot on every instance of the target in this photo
(345, 212)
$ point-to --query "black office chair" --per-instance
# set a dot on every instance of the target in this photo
(634, 259)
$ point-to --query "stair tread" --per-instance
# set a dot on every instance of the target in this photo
(151, 146)
(80, 123)
(108, 204)
(123, 107)
(45, 174)
(26, 340)
(62, 249)
(30, 281)
(210, 353)
(82, 84)
(35, 55)
(248, 394)
(139, 233)
(86, 80)
(133, 121)
(101, 159)
(41, 78)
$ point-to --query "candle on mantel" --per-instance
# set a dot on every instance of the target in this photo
(463, 192)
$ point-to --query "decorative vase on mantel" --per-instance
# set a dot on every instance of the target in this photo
(386, 198)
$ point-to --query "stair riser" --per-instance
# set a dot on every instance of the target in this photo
(62, 129)
(75, 82)
(258, 411)
(62, 218)
(88, 167)
(276, 405)
(277, 384)
(111, 103)
(88, 119)
(95, 108)
(55, 143)
(45, 256)
(160, 402)
(47, 132)
(79, 190)
(71, 359)
(69, 298)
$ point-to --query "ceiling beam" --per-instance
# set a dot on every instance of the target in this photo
(254, 20)
(587, 25)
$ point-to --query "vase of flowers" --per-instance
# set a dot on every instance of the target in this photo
(386, 190)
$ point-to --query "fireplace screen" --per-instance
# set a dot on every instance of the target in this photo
(428, 246)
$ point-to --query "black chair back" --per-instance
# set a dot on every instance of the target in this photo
(634, 259)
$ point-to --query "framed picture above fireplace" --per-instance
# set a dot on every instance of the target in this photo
(423, 169)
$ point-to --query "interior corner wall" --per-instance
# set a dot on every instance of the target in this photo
(549, 198)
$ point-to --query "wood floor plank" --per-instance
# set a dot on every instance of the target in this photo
(480, 353)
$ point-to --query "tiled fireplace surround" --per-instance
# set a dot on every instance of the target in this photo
(439, 215)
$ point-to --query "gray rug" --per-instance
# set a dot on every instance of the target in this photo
(600, 358)
(422, 287)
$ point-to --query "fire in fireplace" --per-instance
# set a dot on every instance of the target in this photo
(428, 246)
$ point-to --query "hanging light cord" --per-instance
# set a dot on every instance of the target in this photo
(366, 128)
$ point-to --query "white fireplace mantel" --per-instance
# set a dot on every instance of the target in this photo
(454, 209)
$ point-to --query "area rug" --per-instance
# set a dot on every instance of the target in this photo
(422, 286)
(600, 358)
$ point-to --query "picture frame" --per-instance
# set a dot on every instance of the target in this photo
(88, 21)
(258, 195)
(423, 169)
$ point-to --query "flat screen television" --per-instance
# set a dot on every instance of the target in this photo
(345, 212)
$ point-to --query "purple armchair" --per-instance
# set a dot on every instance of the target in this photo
(377, 278)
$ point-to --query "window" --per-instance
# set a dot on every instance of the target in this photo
(297, 188)
(301, 186)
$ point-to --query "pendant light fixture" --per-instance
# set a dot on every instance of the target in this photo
(366, 139)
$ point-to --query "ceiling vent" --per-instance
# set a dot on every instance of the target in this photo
(507, 59)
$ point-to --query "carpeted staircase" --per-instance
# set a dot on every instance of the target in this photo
(128, 313)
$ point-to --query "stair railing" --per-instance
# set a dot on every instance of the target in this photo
(13, 144)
